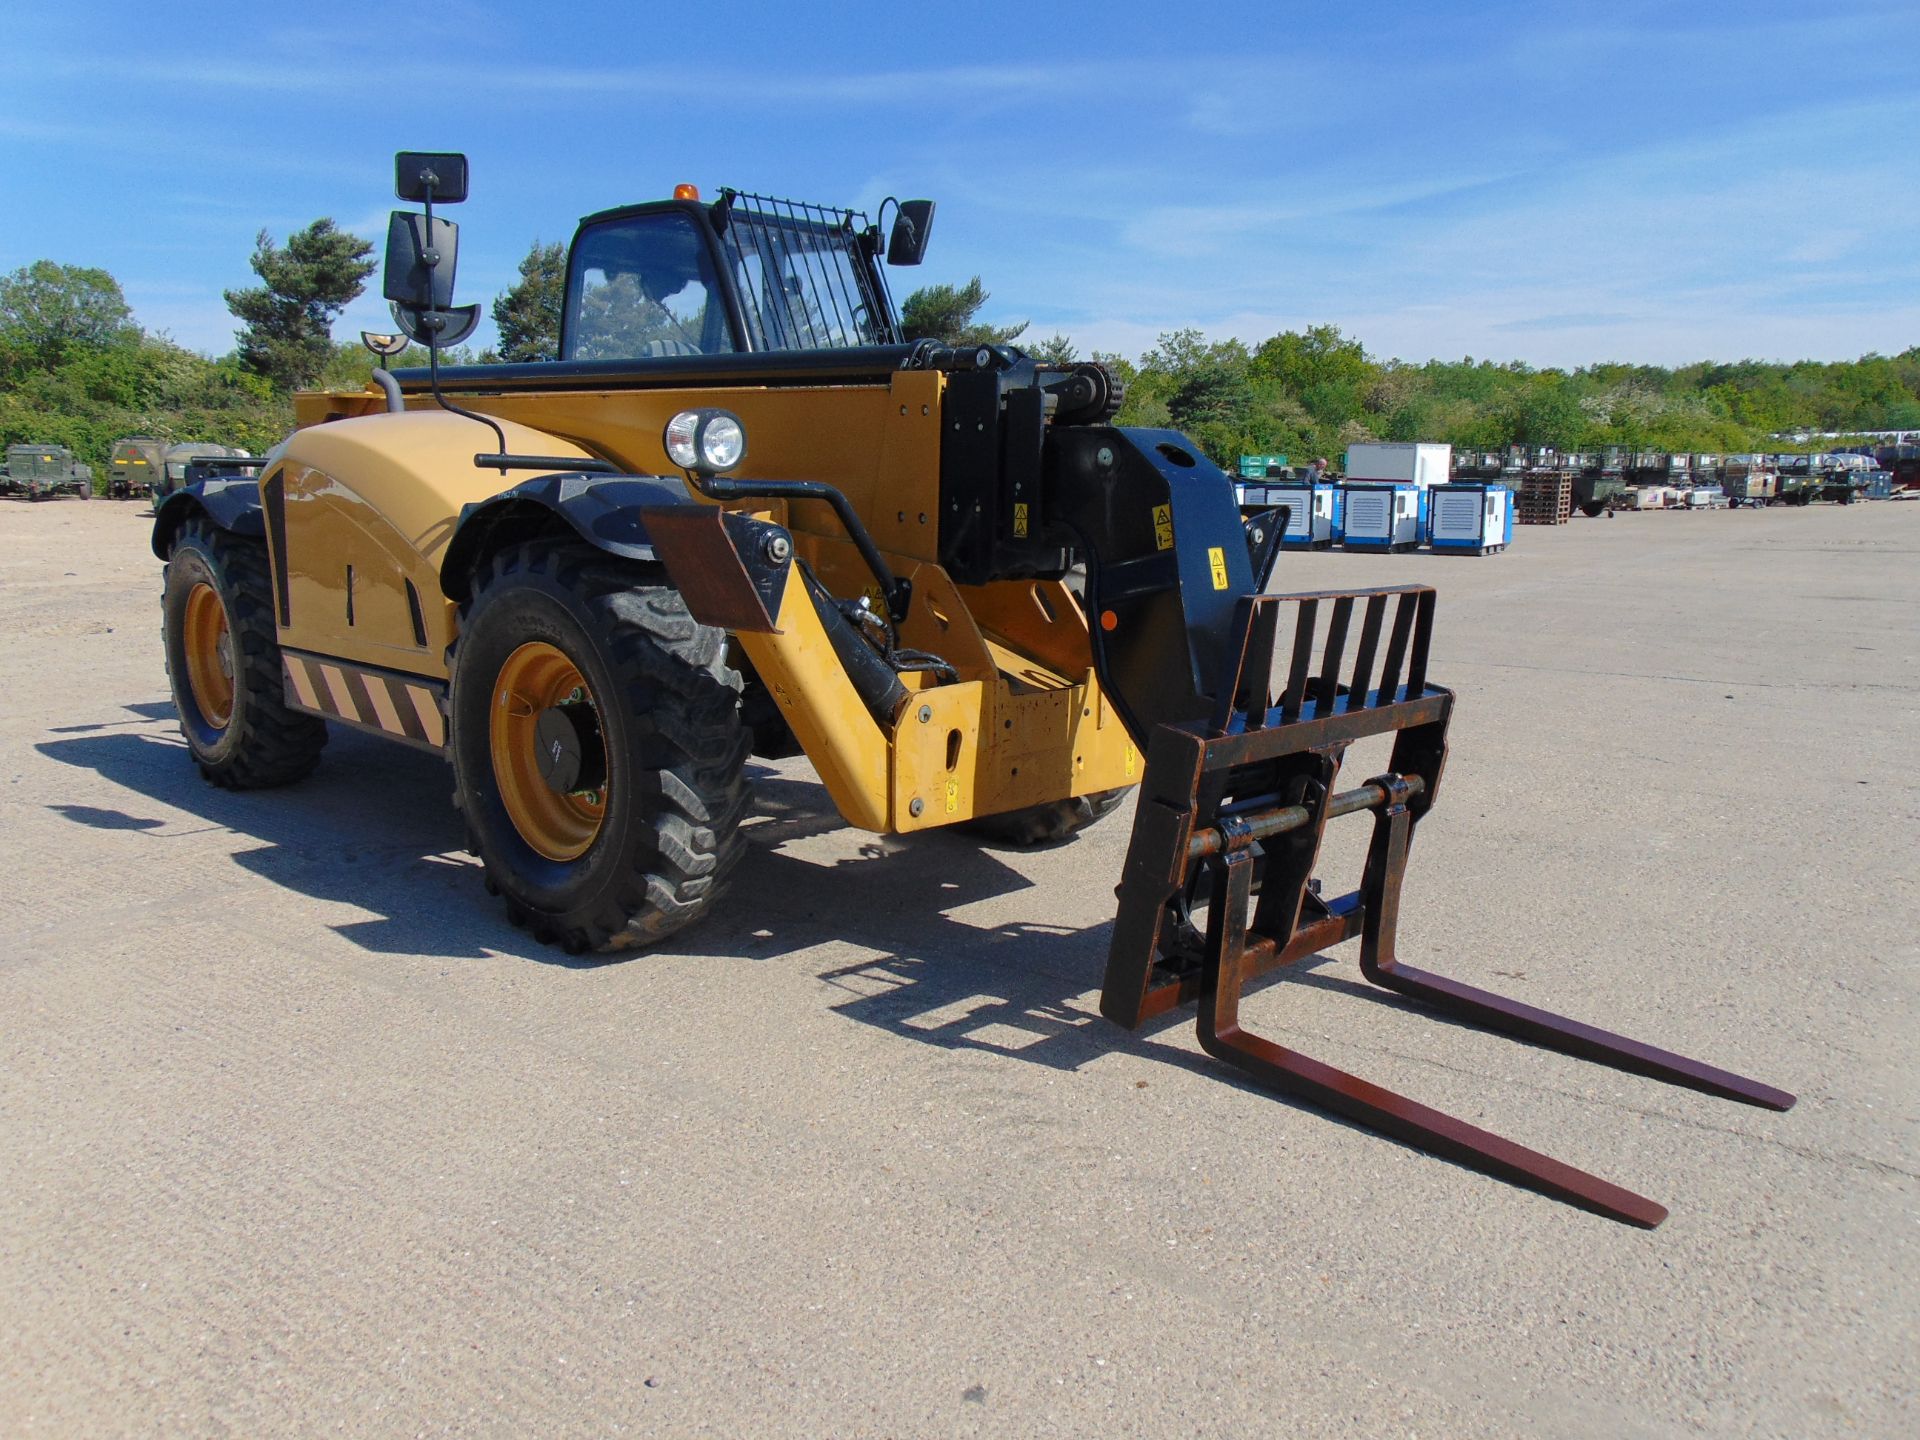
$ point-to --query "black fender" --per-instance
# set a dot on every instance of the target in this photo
(725, 566)
(232, 503)
(603, 510)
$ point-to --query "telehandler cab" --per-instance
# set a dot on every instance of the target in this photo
(741, 512)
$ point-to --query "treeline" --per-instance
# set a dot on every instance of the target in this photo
(1314, 393)
(76, 370)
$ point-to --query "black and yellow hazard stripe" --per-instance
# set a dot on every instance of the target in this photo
(405, 707)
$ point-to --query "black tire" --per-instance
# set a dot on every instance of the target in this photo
(262, 742)
(673, 745)
(1048, 824)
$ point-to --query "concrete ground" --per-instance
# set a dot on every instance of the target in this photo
(298, 1136)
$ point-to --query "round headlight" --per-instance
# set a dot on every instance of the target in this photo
(679, 439)
(723, 442)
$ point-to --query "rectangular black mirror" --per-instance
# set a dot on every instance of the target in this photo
(416, 171)
(412, 275)
(910, 226)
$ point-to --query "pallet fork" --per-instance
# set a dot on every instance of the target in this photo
(1230, 820)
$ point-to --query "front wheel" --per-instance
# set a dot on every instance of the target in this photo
(598, 750)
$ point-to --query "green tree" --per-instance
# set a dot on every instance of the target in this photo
(1054, 350)
(528, 313)
(287, 321)
(50, 313)
(1543, 411)
(1322, 356)
(1202, 388)
(946, 313)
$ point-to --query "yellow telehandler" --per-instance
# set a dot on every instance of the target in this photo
(743, 513)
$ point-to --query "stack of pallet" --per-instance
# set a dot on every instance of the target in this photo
(1544, 499)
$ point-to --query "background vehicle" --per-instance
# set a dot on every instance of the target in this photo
(756, 519)
(141, 467)
(1750, 480)
(43, 472)
(134, 467)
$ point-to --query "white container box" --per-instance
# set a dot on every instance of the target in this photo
(1472, 519)
(1401, 463)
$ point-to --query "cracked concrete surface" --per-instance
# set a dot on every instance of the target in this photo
(299, 1136)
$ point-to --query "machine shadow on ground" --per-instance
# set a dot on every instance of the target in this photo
(374, 828)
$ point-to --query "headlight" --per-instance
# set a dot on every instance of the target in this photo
(723, 442)
(681, 430)
(705, 441)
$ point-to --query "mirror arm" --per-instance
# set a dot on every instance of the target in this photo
(432, 258)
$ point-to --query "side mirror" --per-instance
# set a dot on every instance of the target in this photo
(911, 224)
(436, 329)
(420, 260)
(419, 176)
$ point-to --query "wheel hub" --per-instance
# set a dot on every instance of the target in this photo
(207, 641)
(570, 753)
(549, 758)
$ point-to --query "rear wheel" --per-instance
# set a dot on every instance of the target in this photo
(597, 746)
(1047, 824)
(223, 659)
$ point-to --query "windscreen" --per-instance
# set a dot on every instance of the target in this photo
(644, 287)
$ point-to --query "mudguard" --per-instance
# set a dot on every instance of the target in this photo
(720, 562)
(604, 510)
(231, 503)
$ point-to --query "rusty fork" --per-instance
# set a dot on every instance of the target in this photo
(1240, 805)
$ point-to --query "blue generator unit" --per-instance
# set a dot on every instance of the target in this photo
(1471, 519)
(1384, 516)
(1313, 514)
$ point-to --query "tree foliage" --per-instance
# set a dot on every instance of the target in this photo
(49, 313)
(76, 371)
(946, 313)
(1314, 392)
(528, 313)
(1054, 350)
(287, 320)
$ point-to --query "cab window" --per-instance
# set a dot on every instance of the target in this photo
(644, 287)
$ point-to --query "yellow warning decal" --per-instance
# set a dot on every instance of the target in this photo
(1130, 761)
(1163, 526)
(953, 786)
(1217, 558)
(1019, 522)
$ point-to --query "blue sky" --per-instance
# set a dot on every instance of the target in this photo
(1553, 183)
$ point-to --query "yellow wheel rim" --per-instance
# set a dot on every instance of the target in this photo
(209, 652)
(535, 678)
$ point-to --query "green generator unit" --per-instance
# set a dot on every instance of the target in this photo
(1597, 493)
(43, 472)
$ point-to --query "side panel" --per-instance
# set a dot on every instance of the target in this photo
(367, 507)
(878, 444)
